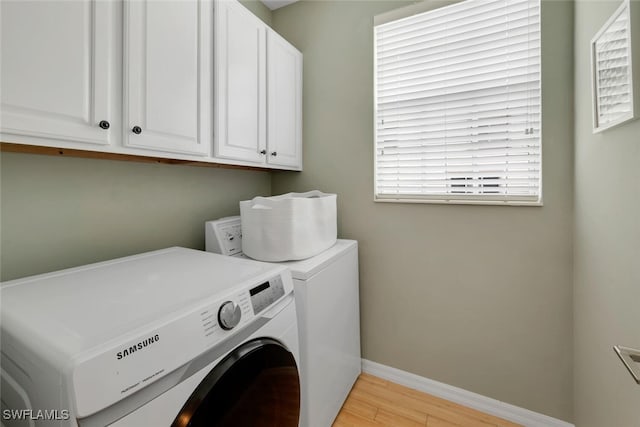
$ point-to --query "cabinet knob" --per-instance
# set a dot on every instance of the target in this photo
(137, 130)
(274, 153)
(104, 124)
(263, 151)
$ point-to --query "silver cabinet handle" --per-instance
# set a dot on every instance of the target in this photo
(631, 360)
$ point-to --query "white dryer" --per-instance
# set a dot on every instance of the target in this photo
(327, 303)
(175, 337)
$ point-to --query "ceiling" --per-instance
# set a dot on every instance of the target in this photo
(275, 4)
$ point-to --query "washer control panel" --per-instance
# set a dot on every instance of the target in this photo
(239, 308)
(265, 294)
(229, 315)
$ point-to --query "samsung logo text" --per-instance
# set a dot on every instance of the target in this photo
(138, 346)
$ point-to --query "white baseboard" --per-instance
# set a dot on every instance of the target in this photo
(476, 401)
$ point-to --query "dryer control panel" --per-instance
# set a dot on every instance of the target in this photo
(224, 236)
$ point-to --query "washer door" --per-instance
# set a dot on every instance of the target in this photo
(255, 385)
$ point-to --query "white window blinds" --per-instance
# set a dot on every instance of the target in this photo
(457, 104)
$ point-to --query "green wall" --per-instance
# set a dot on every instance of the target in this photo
(479, 297)
(607, 245)
(60, 212)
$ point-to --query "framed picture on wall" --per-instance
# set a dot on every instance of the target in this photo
(615, 67)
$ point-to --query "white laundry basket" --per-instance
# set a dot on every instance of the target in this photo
(291, 226)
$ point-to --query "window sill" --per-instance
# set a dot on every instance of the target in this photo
(448, 201)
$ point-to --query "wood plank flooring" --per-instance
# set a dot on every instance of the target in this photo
(379, 403)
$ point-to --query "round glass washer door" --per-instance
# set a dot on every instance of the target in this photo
(256, 385)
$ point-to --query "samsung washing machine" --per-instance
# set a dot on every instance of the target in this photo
(327, 303)
(175, 337)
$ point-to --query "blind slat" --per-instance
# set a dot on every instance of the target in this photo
(412, 126)
(422, 65)
(496, 39)
(500, 126)
(483, 170)
(470, 97)
(459, 159)
(430, 22)
(390, 148)
(491, 105)
(456, 78)
(483, 86)
(460, 35)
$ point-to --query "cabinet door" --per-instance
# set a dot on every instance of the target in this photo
(57, 70)
(284, 112)
(240, 120)
(167, 61)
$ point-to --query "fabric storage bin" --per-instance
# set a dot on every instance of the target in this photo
(288, 227)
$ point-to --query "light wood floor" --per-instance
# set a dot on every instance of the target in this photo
(377, 402)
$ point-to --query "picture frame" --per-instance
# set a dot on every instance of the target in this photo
(615, 68)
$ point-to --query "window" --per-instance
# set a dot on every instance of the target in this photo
(612, 70)
(457, 104)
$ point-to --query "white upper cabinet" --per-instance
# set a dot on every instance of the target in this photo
(167, 75)
(284, 109)
(57, 74)
(258, 91)
(196, 80)
(240, 83)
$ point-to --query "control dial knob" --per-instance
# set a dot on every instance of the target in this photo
(229, 315)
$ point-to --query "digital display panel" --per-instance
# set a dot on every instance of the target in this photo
(265, 294)
(259, 289)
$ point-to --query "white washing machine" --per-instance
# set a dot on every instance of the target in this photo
(175, 337)
(327, 303)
